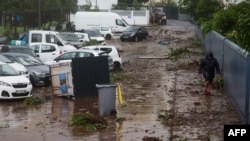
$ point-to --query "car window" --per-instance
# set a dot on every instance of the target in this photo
(35, 48)
(28, 60)
(143, 29)
(47, 48)
(132, 29)
(103, 54)
(11, 58)
(67, 56)
(36, 37)
(5, 59)
(108, 50)
(23, 50)
(80, 36)
(50, 38)
(104, 29)
(6, 70)
(95, 28)
(85, 54)
(119, 22)
(69, 37)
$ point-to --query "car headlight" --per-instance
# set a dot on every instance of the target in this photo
(22, 72)
(132, 34)
(4, 84)
(40, 74)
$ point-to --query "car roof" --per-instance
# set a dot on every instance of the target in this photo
(39, 43)
(16, 46)
(66, 32)
(99, 46)
(86, 50)
(16, 54)
(43, 31)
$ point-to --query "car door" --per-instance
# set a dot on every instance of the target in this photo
(66, 57)
(142, 33)
(48, 52)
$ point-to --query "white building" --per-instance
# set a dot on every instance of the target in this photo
(101, 4)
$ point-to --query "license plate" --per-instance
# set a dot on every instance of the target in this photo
(21, 91)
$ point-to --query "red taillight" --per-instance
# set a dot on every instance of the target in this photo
(60, 52)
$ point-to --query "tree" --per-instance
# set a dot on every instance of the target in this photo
(233, 23)
(200, 9)
(57, 10)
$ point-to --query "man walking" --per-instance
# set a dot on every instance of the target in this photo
(208, 66)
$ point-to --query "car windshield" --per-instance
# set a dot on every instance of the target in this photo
(103, 54)
(7, 70)
(5, 59)
(93, 33)
(23, 50)
(69, 37)
(132, 29)
(28, 60)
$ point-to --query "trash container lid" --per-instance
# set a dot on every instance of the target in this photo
(105, 85)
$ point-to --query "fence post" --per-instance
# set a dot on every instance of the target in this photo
(222, 62)
(247, 92)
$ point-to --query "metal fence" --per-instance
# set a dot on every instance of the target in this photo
(235, 67)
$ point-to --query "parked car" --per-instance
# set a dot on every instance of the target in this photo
(82, 37)
(12, 84)
(112, 52)
(71, 38)
(94, 35)
(106, 31)
(134, 33)
(19, 49)
(18, 67)
(68, 56)
(47, 36)
(39, 72)
(46, 51)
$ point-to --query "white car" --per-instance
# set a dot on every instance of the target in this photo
(106, 31)
(12, 84)
(95, 35)
(18, 67)
(68, 56)
(46, 51)
(83, 37)
(112, 52)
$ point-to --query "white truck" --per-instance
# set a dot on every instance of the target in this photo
(83, 20)
(46, 36)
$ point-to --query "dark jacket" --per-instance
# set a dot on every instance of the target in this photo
(209, 64)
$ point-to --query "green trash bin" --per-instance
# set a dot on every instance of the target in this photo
(106, 99)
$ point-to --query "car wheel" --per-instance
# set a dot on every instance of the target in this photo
(108, 37)
(145, 38)
(136, 39)
(122, 39)
(117, 66)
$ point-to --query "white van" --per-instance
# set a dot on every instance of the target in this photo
(85, 19)
(46, 36)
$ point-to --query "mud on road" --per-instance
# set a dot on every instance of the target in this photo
(162, 98)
